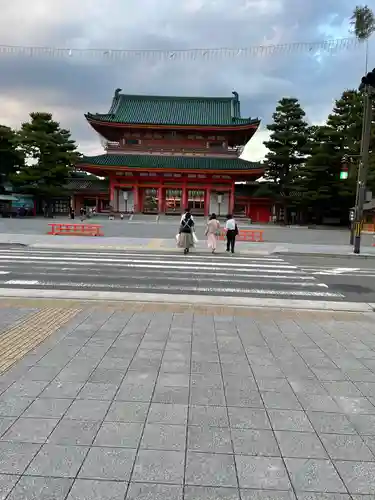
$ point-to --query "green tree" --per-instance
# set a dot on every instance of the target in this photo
(321, 189)
(50, 155)
(10, 157)
(288, 147)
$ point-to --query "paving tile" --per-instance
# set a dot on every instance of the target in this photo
(142, 491)
(331, 423)
(135, 392)
(30, 430)
(202, 493)
(359, 477)
(121, 411)
(119, 434)
(144, 377)
(40, 373)
(208, 469)
(244, 398)
(205, 367)
(159, 467)
(342, 388)
(57, 461)
(60, 390)
(174, 367)
(318, 402)
(106, 376)
(48, 408)
(86, 489)
(160, 413)
(346, 447)
(98, 391)
(300, 444)
(271, 495)
(86, 409)
(215, 416)
(164, 437)
(307, 386)
(108, 463)
(314, 475)
(13, 407)
(118, 363)
(280, 401)
(290, 420)
(255, 442)
(174, 379)
(173, 395)
(5, 423)
(327, 496)
(242, 418)
(209, 439)
(41, 488)
(273, 384)
(15, 457)
(267, 473)
(7, 482)
(364, 424)
(27, 389)
(74, 432)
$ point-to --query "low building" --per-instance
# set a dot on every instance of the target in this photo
(164, 154)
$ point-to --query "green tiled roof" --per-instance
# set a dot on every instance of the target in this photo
(169, 162)
(169, 110)
(87, 185)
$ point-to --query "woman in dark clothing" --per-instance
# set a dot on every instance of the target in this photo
(186, 240)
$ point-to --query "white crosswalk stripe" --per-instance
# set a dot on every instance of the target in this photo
(158, 273)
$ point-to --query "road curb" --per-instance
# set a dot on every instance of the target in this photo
(198, 300)
(324, 255)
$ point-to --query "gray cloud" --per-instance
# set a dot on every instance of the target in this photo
(72, 86)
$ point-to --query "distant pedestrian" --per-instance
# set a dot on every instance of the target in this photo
(212, 232)
(232, 231)
(186, 237)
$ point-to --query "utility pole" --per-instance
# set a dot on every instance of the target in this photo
(368, 86)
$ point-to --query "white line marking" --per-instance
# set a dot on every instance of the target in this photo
(150, 261)
(4, 272)
(22, 282)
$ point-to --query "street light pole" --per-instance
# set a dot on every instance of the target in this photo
(363, 167)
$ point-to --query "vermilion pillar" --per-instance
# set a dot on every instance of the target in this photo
(160, 200)
(136, 199)
(207, 200)
(184, 200)
(231, 199)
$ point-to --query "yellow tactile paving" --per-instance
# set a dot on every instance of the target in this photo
(18, 340)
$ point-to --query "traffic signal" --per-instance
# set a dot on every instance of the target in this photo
(344, 172)
(368, 80)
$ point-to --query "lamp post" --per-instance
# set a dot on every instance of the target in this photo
(368, 86)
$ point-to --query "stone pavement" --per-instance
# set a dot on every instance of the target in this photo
(143, 401)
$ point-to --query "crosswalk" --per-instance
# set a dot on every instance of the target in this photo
(154, 272)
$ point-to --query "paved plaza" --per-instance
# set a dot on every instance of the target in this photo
(149, 402)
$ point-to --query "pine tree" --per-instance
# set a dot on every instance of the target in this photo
(319, 183)
(10, 157)
(287, 149)
(50, 155)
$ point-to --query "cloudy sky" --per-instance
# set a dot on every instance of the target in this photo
(72, 85)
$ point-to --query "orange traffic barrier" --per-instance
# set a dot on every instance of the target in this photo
(75, 229)
(368, 228)
(246, 235)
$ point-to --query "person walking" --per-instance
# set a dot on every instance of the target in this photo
(212, 231)
(186, 240)
(232, 231)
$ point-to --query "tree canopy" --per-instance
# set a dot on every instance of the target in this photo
(11, 158)
(50, 155)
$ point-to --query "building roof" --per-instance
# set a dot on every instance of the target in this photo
(170, 162)
(171, 110)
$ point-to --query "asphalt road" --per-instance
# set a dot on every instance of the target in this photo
(223, 275)
(353, 278)
(147, 227)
